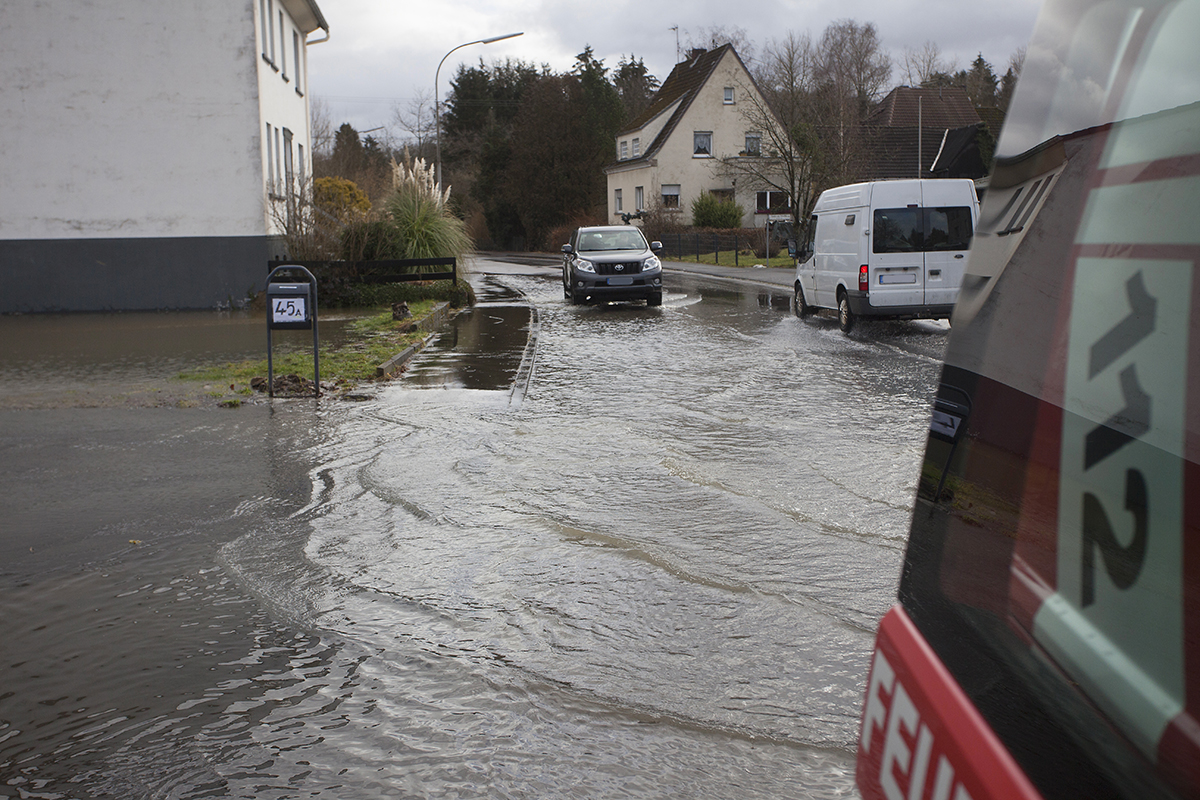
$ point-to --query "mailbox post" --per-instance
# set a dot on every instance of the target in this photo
(292, 305)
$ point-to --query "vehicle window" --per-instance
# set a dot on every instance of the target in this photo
(897, 230)
(948, 228)
(611, 240)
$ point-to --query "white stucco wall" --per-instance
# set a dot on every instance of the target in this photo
(127, 118)
(283, 99)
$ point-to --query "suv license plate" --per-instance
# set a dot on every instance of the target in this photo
(623, 280)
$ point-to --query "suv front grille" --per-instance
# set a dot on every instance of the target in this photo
(627, 268)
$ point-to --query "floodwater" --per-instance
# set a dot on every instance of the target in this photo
(575, 552)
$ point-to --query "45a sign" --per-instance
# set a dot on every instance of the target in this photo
(289, 309)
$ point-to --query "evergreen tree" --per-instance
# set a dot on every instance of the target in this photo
(635, 86)
(981, 84)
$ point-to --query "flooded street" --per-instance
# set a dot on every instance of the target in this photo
(586, 552)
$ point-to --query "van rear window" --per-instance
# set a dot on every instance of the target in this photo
(917, 230)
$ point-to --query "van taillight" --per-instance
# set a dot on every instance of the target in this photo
(863, 281)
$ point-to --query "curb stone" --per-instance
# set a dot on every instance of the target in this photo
(437, 318)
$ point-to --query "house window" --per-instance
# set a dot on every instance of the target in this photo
(728, 95)
(270, 162)
(670, 195)
(637, 147)
(282, 47)
(618, 202)
(754, 144)
(289, 174)
(624, 150)
(773, 203)
(263, 17)
(639, 198)
(278, 163)
(296, 57)
(702, 143)
(270, 32)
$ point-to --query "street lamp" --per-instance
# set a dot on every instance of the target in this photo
(437, 106)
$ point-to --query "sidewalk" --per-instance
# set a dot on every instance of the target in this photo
(770, 276)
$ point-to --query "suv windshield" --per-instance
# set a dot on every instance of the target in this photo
(591, 241)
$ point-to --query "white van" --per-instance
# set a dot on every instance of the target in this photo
(894, 249)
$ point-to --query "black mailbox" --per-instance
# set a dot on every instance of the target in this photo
(290, 306)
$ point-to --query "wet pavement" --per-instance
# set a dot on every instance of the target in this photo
(575, 552)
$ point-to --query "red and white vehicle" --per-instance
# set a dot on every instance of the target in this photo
(1047, 637)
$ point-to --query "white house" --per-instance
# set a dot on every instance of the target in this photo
(139, 142)
(670, 154)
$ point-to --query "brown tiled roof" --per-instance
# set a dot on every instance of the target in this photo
(682, 85)
(939, 107)
(945, 153)
(993, 118)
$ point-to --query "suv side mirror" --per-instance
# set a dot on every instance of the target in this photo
(566, 248)
(656, 246)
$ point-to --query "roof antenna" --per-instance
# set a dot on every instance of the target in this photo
(676, 29)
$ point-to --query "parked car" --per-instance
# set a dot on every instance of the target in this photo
(611, 262)
(1046, 642)
(887, 249)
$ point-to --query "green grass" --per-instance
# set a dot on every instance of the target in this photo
(744, 259)
(372, 341)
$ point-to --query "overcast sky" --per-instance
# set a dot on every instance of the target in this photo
(382, 54)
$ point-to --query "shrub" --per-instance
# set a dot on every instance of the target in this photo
(708, 211)
(376, 240)
(425, 228)
(340, 199)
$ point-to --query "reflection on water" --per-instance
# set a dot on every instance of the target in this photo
(657, 575)
(482, 349)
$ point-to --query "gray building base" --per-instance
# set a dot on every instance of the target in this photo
(41, 275)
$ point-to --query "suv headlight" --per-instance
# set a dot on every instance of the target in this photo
(651, 263)
(583, 265)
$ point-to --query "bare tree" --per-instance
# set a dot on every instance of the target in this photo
(417, 124)
(787, 154)
(853, 61)
(852, 71)
(925, 66)
(321, 136)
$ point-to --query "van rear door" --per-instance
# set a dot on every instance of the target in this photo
(950, 216)
(896, 262)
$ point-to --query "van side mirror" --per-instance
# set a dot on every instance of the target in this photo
(792, 248)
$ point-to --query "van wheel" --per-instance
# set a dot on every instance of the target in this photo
(845, 315)
(803, 309)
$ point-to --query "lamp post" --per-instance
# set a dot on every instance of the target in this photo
(437, 106)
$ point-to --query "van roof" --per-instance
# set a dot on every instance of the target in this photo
(859, 194)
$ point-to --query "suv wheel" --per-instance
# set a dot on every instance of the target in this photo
(654, 299)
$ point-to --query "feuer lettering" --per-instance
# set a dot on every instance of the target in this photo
(900, 722)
